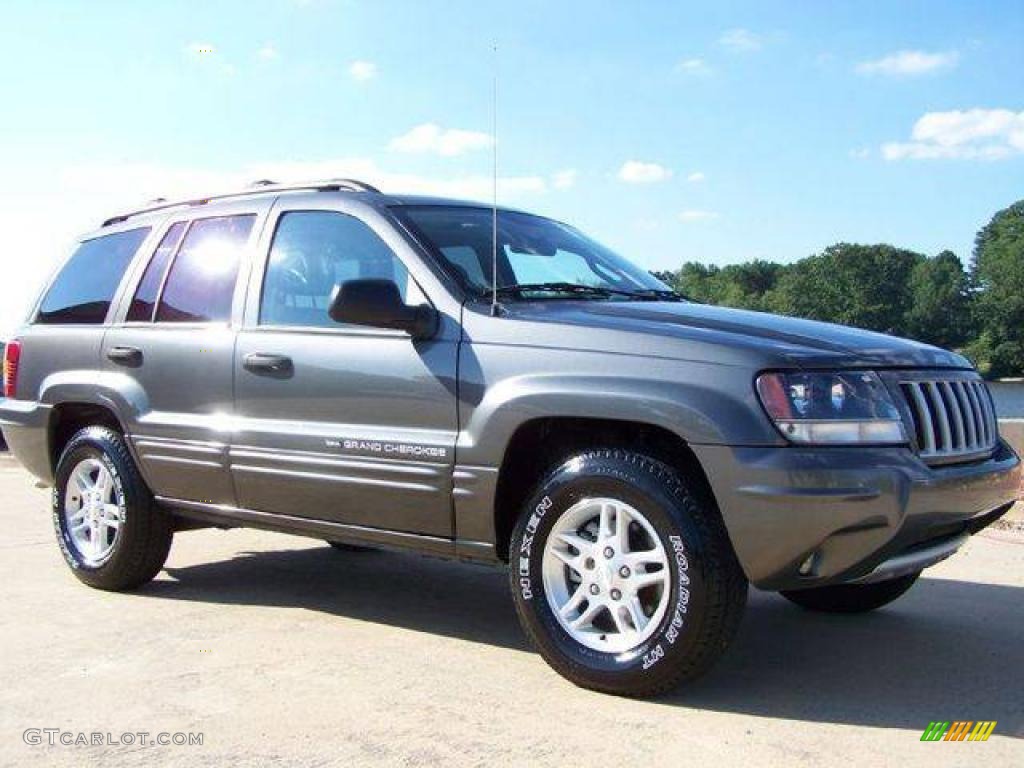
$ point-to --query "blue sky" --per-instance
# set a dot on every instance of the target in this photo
(717, 133)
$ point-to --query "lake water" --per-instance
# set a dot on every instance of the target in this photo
(1009, 397)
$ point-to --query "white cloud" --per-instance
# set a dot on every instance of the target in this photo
(909, 63)
(564, 179)
(636, 172)
(361, 70)
(200, 50)
(695, 177)
(131, 184)
(268, 52)
(694, 214)
(207, 55)
(447, 142)
(741, 40)
(985, 134)
(693, 66)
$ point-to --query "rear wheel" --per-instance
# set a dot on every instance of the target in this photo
(109, 530)
(851, 598)
(623, 576)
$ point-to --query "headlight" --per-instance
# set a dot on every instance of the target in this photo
(837, 408)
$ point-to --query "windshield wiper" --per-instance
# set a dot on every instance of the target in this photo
(575, 289)
(660, 294)
(597, 291)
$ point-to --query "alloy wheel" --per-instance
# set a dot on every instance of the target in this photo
(606, 575)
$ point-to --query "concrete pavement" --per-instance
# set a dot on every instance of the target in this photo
(282, 651)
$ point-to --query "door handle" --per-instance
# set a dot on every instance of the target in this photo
(258, 362)
(131, 356)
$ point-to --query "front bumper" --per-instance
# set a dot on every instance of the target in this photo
(914, 559)
(811, 516)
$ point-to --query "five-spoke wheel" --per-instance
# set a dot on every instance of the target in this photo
(92, 510)
(606, 574)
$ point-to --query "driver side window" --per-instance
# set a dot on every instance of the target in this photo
(313, 251)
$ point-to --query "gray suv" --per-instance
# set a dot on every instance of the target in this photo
(329, 361)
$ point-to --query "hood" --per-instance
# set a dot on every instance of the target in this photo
(806, 343)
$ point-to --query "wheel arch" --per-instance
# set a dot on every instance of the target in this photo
(539, 445)
(79, 399)
(67, 418)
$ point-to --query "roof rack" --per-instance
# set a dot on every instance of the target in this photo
(259, 187)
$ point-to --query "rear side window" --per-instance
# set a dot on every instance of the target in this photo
(144, 302)
(84, 288)
(201, 282)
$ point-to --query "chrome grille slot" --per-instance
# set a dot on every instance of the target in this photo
(953, 418)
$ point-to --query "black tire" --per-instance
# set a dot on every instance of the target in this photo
(851, 598)
(144, 537)
(707, 588)
(342, 546)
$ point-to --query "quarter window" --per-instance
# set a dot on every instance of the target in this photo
(84, 288)
(312, 252)
(201, 283)
(144, 302)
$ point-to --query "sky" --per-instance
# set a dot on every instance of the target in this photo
(672, 132)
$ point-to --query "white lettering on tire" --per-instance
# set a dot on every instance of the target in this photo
(657, 653)
(653, 656)
(525, 549)
(682, 569)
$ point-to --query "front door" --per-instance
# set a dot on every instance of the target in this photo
(347, 424)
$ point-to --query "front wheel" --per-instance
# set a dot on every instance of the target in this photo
(851, 598)
(623, 576)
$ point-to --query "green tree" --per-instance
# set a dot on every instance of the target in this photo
(695, 281)
(997, 275)
(736, 285)
(861, 285)
(940, 311)
(746, 285)
(893, 290)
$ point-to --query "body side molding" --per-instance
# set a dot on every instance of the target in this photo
(228, 516)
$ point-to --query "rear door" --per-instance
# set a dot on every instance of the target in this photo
(347, 424)
(175, 339)
(68, 324)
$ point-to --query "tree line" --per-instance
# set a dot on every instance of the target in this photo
(977, 310)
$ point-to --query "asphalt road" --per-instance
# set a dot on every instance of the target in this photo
(281, 650)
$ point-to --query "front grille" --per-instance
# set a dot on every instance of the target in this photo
(953, 418)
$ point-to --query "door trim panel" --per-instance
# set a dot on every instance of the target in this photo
(176, 465)
(302, 484)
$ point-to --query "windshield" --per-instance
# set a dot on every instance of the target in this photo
(537, 257)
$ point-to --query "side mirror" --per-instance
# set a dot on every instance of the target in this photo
(378, 303)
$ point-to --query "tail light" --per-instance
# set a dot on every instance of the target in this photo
(12, 355)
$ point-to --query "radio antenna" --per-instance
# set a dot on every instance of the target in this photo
(494, 186)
